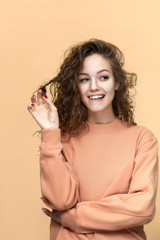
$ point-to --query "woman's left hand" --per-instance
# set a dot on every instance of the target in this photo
(56, 216)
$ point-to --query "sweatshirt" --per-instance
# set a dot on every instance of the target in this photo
(104, 183)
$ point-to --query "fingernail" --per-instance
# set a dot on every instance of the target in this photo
(44, 95)
(32, 104)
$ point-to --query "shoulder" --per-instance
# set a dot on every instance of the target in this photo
(141, 133)
(146, 138)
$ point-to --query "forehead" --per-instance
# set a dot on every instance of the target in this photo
(95, 62)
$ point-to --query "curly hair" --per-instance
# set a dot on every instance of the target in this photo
(72, 113)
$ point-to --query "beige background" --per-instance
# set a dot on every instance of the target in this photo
(34, 36)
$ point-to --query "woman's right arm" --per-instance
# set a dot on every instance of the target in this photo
(59, 185)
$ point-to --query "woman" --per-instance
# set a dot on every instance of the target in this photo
(98, 168)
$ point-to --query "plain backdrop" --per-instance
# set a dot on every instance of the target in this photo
(34, 37)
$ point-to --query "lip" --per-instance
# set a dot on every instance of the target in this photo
(96, 95)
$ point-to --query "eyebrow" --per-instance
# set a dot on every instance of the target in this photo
(97, 72)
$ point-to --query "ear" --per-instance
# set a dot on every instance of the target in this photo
(116, 86)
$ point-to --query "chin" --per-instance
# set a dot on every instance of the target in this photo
(97, 110)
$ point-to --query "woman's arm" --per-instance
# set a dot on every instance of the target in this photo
(121, 211)
(59, 184)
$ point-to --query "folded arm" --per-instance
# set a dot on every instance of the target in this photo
(121, 211)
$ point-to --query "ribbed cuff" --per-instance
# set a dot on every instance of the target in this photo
(51, 136)
(68, 219)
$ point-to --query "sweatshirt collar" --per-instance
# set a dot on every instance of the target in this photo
(104, 127)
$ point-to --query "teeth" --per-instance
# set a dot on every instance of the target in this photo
(96, 97)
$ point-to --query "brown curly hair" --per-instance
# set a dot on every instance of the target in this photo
(72, 113)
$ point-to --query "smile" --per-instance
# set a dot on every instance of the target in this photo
(96, 97)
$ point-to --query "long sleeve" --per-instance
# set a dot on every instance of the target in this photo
(121, 211)
(59, 185)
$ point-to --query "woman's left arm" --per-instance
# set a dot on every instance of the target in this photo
(121, 211)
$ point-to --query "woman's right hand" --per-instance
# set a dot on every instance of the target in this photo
(44, 111)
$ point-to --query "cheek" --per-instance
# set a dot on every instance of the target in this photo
(82, 94)
(82, 90)
(110, 88)
(110, 92)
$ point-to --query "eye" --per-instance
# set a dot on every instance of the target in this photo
(83, 79)
(105, 77)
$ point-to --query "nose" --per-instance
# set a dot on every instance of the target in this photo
(94, 85)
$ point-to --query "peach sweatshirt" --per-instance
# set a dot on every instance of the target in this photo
(104, 182)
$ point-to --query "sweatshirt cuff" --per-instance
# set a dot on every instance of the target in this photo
(68, 219)
(51, 136)
(71, 220)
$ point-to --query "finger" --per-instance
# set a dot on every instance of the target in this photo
(47, 212)
(33, 99)
(34, 102)
(50, 104)
(31, 107)
(40, 99)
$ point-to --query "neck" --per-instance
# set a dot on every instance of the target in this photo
(99, 118)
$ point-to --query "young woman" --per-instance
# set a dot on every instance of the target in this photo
(98, 168)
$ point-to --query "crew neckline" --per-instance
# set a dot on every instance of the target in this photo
(103, 127)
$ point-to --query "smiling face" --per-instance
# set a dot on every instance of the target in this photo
(96, 79)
